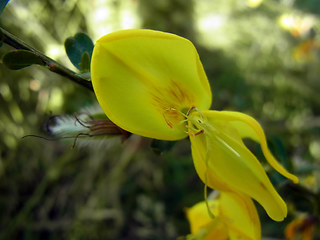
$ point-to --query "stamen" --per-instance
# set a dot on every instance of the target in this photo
(198, 111)
(174, 109)
(193, 129)
(190, 109)
(187, 119)
(198, 133)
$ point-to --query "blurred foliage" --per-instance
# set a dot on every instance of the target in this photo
(262, 60)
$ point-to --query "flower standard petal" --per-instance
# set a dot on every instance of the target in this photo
(143, 79)
(227, 165)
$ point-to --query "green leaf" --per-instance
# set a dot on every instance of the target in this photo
(85, 62)
(160, 147)
(76, 46)
(20, 59)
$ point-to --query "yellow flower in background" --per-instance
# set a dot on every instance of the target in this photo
(307, 50)
(235, 218)
(297, 25)
(301, 228)
(153, 84)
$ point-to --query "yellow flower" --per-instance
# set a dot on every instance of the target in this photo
(223, 161)
(153, 84)
(295, 24)
(139, 75)
(235, 218)
(307, 50)
(302, 227)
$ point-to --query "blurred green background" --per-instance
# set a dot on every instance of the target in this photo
(261, 57)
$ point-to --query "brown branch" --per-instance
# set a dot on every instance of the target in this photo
(52, 65)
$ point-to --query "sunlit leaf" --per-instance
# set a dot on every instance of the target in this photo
(20, 59)
(76, 46)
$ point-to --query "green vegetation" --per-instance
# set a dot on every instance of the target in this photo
(263, 61)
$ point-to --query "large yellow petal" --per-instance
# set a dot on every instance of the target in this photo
(248, 127)
(198, 215)
(203, 227)
(235, 218)
(223, 162)
(240, 215)
(143, 78)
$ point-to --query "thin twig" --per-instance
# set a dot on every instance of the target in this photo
(52, 65)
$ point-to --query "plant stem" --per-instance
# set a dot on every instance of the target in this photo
(52, 65)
